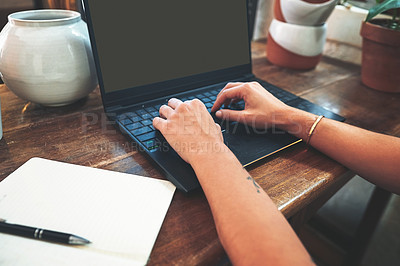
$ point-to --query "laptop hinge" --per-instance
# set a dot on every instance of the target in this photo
(115, 109)
(112, 110)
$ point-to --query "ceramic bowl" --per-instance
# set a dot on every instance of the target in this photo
(303, 13)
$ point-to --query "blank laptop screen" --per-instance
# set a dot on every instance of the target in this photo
(149, 41)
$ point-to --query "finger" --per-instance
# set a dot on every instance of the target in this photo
(218, 126)
(227, 96)
(159, 123)
(221, 137)
(229, 86)
(231, 115)
(165, 111)
(174, 102)
(198, 103)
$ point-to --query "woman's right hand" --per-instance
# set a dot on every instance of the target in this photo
(262, 109)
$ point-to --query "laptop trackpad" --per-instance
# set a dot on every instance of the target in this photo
(250, 145)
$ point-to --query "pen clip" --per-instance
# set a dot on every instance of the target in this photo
(2, 220)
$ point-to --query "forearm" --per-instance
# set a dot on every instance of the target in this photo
(249, 225)
(373, 156)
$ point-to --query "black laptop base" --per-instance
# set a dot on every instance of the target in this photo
(136, 122)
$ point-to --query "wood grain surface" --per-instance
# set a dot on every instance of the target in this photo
(298, 180)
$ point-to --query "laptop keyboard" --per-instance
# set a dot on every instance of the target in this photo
(139, 121)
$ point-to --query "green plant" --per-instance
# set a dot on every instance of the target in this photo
(384, 6)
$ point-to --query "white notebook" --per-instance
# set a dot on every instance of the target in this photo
(121, 214)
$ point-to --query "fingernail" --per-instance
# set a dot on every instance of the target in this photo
(218, 114)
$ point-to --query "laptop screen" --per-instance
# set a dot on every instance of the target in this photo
(150, 41)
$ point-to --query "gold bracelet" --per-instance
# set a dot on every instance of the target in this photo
(319, 118)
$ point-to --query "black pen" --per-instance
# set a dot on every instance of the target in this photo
(41, 234)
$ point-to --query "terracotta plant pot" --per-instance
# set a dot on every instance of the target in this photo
(296, 36)
(380, 65)
(280, 56)
(295, 46)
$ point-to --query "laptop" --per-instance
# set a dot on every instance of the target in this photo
(149, 51)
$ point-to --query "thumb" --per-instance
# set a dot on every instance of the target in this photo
(231, 115)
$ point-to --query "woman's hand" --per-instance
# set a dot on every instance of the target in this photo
(189, 129)
(262, 109)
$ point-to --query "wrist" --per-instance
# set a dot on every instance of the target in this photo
(296, 122)
(215, 153)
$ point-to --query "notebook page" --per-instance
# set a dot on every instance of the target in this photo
(121, 214)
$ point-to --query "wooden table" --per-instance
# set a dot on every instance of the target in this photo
(298, 180)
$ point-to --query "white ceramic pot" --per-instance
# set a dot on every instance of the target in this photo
(303, 13)
(301, 40)
(46, 58)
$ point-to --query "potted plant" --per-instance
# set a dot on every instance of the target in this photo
(380, 67)
(296, 36)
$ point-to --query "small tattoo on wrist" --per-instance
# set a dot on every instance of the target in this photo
(254, 183)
